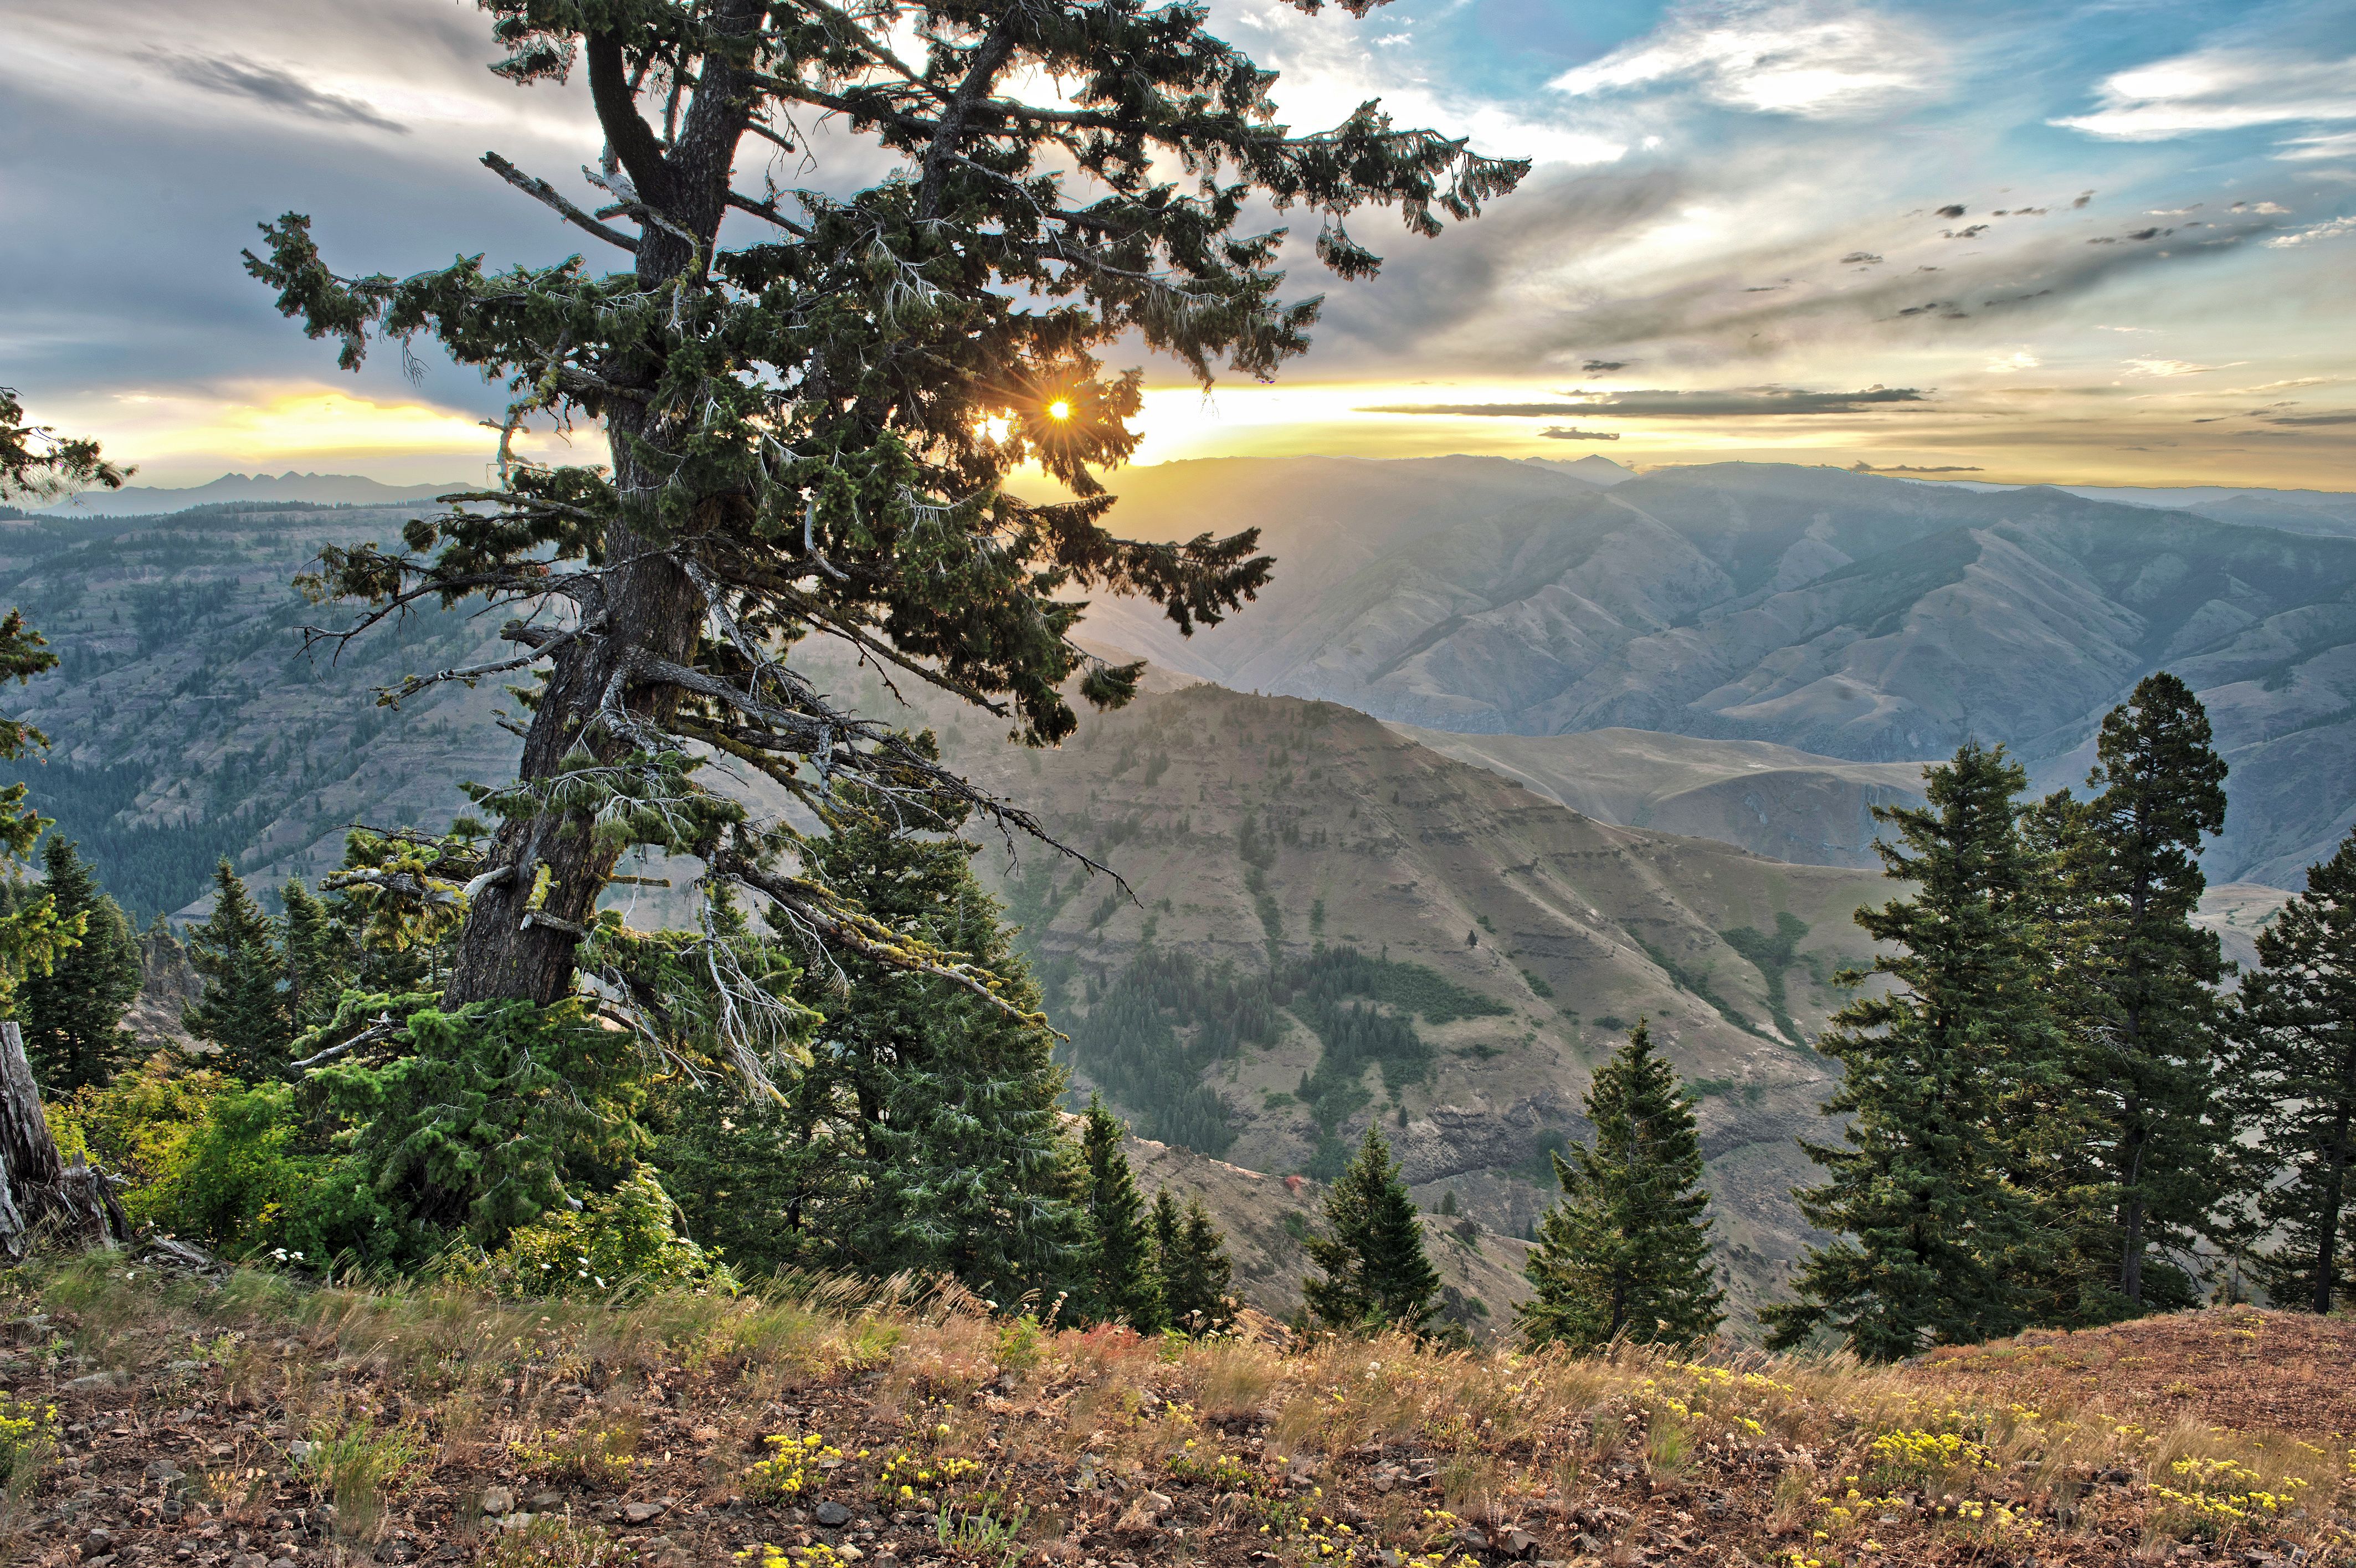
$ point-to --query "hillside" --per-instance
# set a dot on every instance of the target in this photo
(1844, 614)
(190, 724)
(1511, 941)
(268, 1420)
(1770, 800)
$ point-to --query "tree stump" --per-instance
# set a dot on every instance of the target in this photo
(41, 1192)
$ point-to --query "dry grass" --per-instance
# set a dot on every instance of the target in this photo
(1058, 1445)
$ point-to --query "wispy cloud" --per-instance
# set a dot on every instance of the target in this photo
(1778, 57)
(237, 76)
(2221, 89)
(1665, 404)
(2336, 229)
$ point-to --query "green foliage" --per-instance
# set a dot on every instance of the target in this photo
(1929, 1214)
(923, 1134)
(623, 1236)
(73, 1010)
(2292, 1066)
(1626, 1251)
(1375, 1275)
(491, 1115)
(35, 463)
(243, 1007)
(317, 956)
(1120, 1275)
(1191, 1266)
(2138, 1159)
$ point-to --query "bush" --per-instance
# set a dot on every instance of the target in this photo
(622, 1237)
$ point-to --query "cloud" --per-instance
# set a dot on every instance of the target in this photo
(2304, 149)
(2336, 229)
(1863, 467)
(1807, 58)
(2313, 419)
(2175, 367)
(2222, 88)
(1565, 432)
(1605, 366)
(1737, 403)
(236, 77)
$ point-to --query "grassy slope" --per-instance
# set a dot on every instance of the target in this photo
(628, 1433)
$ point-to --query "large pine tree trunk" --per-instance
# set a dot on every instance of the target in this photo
(39, 1190)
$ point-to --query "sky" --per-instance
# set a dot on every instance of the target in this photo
(2099, 243)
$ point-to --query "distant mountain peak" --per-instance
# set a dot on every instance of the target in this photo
(325, 488)
(1595, 468)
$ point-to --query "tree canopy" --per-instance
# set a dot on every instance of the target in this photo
(812, 399)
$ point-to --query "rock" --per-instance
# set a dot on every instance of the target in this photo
(1473, 1540)
(1517, 1542)
(92, 1381)
(643, 1512)
(1158, 1502)
(847, 1552)
(497, 1500)
(541, 1502)
(97, 1543)
(833, 1514)
(298, 1450)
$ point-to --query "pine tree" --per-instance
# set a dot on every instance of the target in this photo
(1190, 1266)
(318, 958)
(2138, 996)
(809, 422)
(2293, 1063)
(1928, 1220)
(1375, 1274)
(924, 1134)
(73, 1013)
(1121, 1242)
(1627, 1249)
(243, 1007)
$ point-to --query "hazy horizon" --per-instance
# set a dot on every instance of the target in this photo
(2091, 245)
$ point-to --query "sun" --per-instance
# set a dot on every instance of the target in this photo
(1061, 408)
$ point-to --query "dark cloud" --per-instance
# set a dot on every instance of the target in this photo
(1859, 257)
(1903, 468)
(238, 78)
(1955, 211)
(1663, 404)
(1565, 432)
(1605, 366)
(2314, 418)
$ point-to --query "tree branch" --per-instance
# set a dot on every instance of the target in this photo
(541, 191)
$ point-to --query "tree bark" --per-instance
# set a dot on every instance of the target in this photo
(39, 1190)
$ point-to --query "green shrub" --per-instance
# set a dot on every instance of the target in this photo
(625, 1236)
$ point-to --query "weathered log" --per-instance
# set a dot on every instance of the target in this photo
(39, 1190)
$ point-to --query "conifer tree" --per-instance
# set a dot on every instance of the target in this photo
(1375, 1274)
(2293, 1063)
(809, 416)
(1191, 1264)
(1121, 1242)
(1928, 1222)
(2136, 991)
(73, 1012)
(1626, 1251)
(925, 1132)
(242, 1007)
(318, 958)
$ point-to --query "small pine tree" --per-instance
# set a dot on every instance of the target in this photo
(1190, 1266)
(1120, 1250)
(1928, 1225)
(2293, 1063)
(318, 958)
(242, 1008)
(1375, 1272)
(1627, 1250)
(73, 1012)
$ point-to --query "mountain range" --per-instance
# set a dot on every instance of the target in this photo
(1852, 617)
